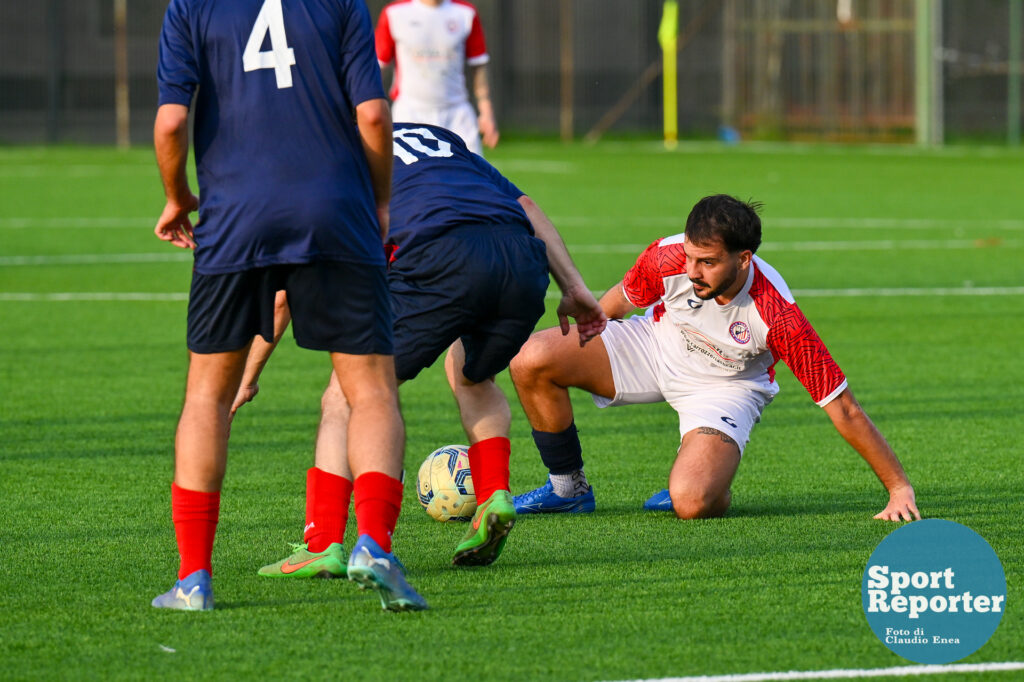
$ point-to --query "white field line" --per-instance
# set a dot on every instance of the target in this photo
(894, 245)
(888, 292)
(909, 291)
(850, 673)
(884, 245)
(77, 170)
(703, 147)
(537, 166)
(895, 223)
(83, 170)
(553, 294)
(97, 258)
(674, 222)
(879, 245)
(92, 296)
(10, 223)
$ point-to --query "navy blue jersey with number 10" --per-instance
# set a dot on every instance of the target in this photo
(438, 184)
(281, 169)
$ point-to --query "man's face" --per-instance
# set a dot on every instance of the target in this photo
(713, 271)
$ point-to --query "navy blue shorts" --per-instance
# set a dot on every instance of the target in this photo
(337, 307)
(482, 284)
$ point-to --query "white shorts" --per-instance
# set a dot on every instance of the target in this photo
(460, 119)
(641, 376)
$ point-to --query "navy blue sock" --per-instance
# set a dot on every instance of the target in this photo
(561, 452)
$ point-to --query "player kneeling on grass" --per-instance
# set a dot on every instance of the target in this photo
(469, 270)
(719, 319)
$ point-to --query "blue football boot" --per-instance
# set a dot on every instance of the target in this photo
(194, 592)
(543, 500)
(659, 501)
(372, 567)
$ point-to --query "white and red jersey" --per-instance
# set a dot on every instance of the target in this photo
(741, 340)
(430, 47)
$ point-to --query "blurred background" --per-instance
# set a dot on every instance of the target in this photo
(924, 71)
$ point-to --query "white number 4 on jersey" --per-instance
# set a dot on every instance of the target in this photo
(280, 58)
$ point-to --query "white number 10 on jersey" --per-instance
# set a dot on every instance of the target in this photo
(414, 137)
(281, 58)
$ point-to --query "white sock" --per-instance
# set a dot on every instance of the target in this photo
(570, 485)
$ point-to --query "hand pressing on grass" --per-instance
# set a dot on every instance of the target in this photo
(902, 506)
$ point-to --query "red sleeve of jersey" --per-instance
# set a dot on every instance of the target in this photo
(475, 44)
(385, 43)
(643, 284)
(793, 340)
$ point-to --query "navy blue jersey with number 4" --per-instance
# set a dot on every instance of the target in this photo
(282, 173)
(439, 184)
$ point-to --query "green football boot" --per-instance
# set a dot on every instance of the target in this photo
(488, 531)
(329, 563)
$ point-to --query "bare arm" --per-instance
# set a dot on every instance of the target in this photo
(260, 351)
(170, 141)
(577, 301)
(387, 73)
(615, 304)
(374, 120)
(859, 431)
(485, 109)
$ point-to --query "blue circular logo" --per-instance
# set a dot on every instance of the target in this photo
(934, 591)
(740, 332)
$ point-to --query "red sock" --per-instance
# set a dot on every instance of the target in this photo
(327, 498)
(378, 500)
(488, 464)
(195, 516)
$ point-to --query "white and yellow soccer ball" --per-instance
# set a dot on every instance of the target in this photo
(445, 486)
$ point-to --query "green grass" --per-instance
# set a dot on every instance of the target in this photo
(90, 393)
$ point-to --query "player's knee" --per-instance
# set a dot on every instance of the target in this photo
(370, 383)
(699, 504)
(378, 396)
(214, 401)
(370, 391)
(333, 403)
(534, 362)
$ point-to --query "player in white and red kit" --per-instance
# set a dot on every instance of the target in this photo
(431, 42)
(719, 320)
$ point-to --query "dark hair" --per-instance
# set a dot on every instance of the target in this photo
(721, 217)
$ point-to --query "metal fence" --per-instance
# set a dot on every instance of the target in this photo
(781, 69)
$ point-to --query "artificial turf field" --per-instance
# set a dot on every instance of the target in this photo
(909, 263)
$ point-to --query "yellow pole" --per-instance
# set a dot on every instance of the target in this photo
(668, 35)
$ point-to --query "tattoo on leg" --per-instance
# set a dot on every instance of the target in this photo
(708, 431)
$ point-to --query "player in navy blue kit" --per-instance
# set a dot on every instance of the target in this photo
(292, 196)
(470, 258)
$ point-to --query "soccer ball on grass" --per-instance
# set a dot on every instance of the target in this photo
(445, 486)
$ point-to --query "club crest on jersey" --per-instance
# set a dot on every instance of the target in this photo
(452, 26)
(739, 332)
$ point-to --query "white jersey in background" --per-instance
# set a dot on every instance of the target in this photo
(430, 47)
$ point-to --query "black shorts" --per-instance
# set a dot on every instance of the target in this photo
(337, 307)
(482, 284)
